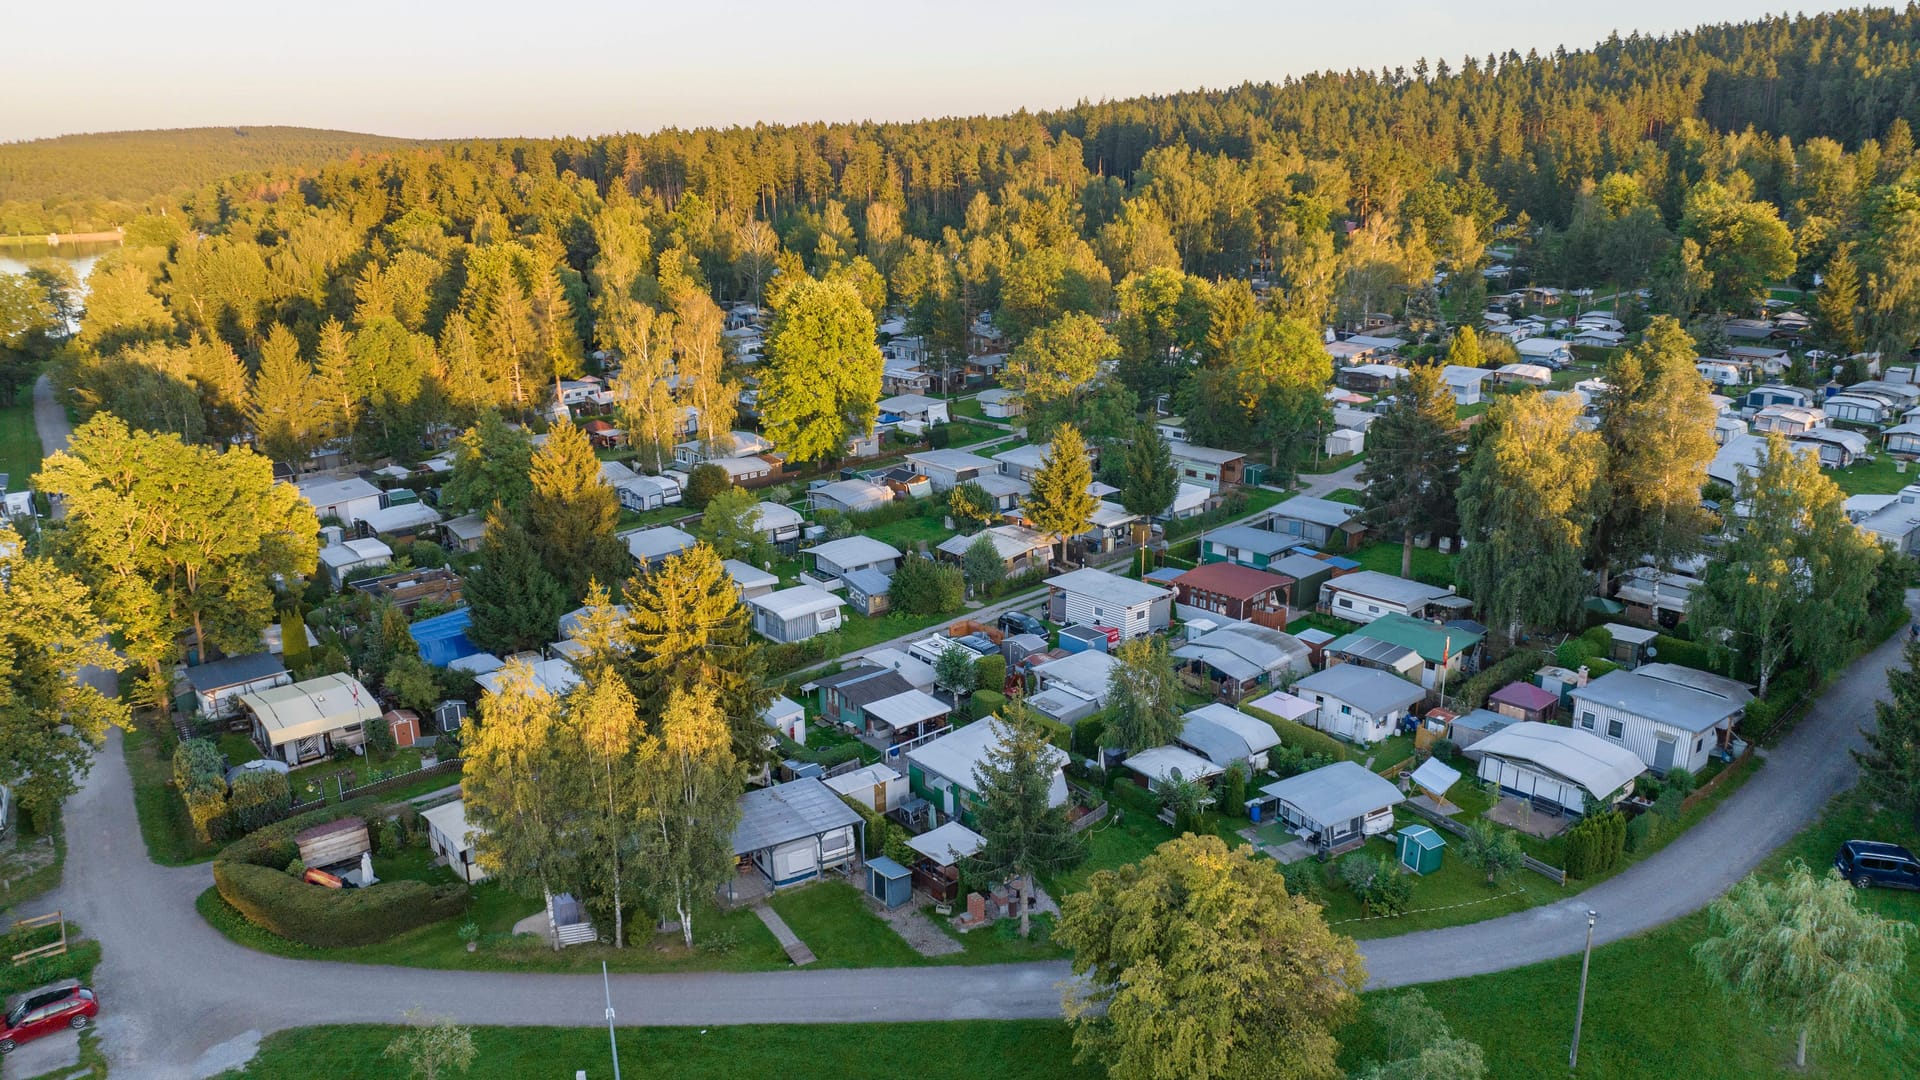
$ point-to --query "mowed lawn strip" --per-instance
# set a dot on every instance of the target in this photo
(961, 1050)
(1650, 1011)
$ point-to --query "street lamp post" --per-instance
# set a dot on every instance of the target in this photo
(1580, 1013)
(613, 1042)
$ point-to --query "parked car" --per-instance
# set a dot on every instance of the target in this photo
(1019, 622)
(1867, 863)
(46, 1010)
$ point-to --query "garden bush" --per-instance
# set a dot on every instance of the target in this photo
(1233, 792)
(988, 703)
(1643, 831)
(1673, 650)
(990, 672)
(924, 587)
(703, 483)
(1086, 736)
(194, 761)
(1515, 668)
(1596, 845)
(250, 874)
(1299, 736)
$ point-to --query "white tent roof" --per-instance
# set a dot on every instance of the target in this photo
(1596, 765)
(948, 844)
(1160, 763)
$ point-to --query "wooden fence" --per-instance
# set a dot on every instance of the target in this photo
(1446, 824)
(52, 948)
(1093, 817)
(1694, 798)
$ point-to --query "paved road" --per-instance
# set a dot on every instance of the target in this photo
(184, 1001)
(181, 1000)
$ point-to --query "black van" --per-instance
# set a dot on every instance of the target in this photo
(1866, 863)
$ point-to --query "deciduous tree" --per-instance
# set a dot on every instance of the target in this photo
(1198, 963)
(515, 759)
(50, 714)
(822, 375)
(691, 805)
(1054, 366)
(1143, 696)
(1803, 950)
(492, 464)
(1527, 500)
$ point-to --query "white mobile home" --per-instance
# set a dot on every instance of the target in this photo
(1359, 704)
(1668, 716)
(1561, 770)
(1096, 598)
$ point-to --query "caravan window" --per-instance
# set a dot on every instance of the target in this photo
(1615, 729)
(1586, 720)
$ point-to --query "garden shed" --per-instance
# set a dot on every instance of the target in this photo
(1419, 848)
(889, 882)
(333, 843)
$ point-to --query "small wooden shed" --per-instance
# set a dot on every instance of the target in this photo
(333, 843)
(405, 725)
(889, 882)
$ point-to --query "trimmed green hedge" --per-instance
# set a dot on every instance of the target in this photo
(251, 875)
(1473, 693)
(1300, 736)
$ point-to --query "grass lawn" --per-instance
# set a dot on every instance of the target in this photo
(30, 863)
(1650, 1012)
(1430, 565)
(906, 533)
(1316, 621)
(967, 433)
(1350, 496)
(1130, 833)
(1466, 412)
(729, 941)
(861, 632)
(1333, 464)
(659, 515)
(961, 1050)
(1454, 894)
(834, 921)
(237, 747)
(19, 442)
(325, 777)
(164, 824)
(965, 409)
(1882, 475)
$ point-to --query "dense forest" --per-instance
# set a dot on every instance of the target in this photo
(377, 296)
(85, 183)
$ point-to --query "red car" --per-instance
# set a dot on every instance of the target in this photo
(46, 1010)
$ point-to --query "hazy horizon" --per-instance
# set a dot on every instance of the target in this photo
(427, 72)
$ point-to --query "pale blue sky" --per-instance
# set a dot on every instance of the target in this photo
(435, 68)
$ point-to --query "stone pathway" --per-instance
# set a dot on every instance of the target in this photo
(914, 923)
(797, 950)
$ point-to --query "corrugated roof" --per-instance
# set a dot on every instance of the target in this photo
(1369, 689)
(905, 709)
(1335, 793)
(1107, 588)
(234, 670)
(1231, 579)
(1596, 765)
(772, 816)
(1665, 701)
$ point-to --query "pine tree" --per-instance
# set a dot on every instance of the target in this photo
(1657, 428)
(689, 630)
(1464, 349)
(1836, 308)
(1151, 482)
(1026, 834)
(1411, 479)
(1890, 768)
(287, 412)
(1059, 502)
(572, 514)
(340, 385)
(516, 603)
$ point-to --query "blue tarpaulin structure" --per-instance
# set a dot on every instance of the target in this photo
(443, 638)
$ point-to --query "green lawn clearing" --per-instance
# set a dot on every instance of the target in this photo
(1882, 475)
(1454, 894)
(1430, 565)
(1650, 1012)
(960, 1050)
(1333, 464)
(19, 441)
(31, 856)
(907, 533)
(1350, 496)
(965, 409)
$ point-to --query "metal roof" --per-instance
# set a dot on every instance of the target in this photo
(1432, 641)
(904, 710)
(1369, 689)
(1596, 765)
(797, 601)
(1394, 590)
(1257, 541)
(1524, 695)
(796, 810)
(312, 707)
(657, 543)
(947, 844)
(1231, 579)
(1108, 588)
(1318, 511)
(1373, 650)
(853, 551)
(1163, 763)
(234, 670)
(1667, 701)
(958, 754)
(1335, 793)
(1225, 735)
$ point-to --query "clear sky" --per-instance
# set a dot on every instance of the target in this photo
(449, 68)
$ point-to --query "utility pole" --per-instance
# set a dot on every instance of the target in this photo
(613, 1041)
(1579, 1013)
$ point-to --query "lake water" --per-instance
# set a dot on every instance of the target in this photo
(15, 257)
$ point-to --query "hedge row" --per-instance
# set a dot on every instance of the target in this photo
(1300, 736)
(251, 875)
(1473, 693)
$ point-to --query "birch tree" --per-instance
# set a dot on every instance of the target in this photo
(604, 719)
(515, 758)
(691, 806)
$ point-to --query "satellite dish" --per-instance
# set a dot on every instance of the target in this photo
(1653, 651)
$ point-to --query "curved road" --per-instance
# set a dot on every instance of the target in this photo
(184, 1001)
